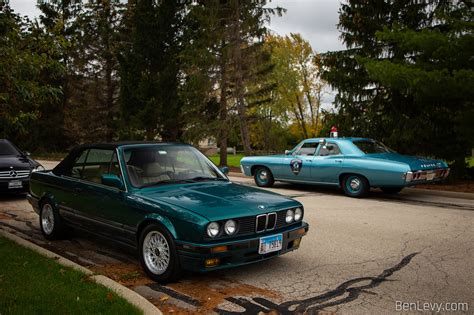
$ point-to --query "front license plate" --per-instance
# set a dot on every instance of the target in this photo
(270, 244)
(15, 184)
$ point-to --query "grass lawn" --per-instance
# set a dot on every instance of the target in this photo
(232, 160)
(33, 284)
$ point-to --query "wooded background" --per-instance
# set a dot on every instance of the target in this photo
(105, 70)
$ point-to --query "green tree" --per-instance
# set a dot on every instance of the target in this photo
(222, 60)
(406, 78)
(298, 78)
(150, 71)
(29, 91)
(96, 82)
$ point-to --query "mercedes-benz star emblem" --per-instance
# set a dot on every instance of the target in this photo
(13, 174)
(261, 207)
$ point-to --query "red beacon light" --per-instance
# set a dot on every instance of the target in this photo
(333, 133)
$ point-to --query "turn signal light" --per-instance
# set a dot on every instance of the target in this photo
(300, 231)
(296, 242)
(219, 249)
(211, 262)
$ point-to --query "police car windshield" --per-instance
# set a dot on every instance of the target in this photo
(371, 146)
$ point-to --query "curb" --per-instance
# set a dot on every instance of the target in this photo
(131, 296)
(442, 193)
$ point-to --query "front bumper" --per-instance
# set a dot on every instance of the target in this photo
(193, 256)
(4, 185)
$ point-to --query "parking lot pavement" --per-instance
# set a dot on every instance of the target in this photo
(360, 256)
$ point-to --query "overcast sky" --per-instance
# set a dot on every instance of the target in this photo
(315, 19)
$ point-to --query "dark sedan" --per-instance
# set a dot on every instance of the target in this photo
(15, 168)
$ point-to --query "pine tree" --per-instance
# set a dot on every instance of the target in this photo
(406, 74)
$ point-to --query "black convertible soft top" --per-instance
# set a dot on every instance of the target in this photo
(65, 164)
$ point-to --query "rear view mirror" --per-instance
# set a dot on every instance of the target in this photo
(224, 170)
(112, 180)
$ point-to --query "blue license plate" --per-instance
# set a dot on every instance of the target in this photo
(270, 244)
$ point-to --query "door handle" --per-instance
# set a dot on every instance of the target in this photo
(309, 160)
(338, 161)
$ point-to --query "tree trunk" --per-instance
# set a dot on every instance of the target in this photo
(239, 86)
(301, 118)
(108, 76)
(223, 124)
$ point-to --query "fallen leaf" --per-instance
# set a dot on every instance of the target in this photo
(25, 263)
(164, 298)
(77, 299)
(62, 271)
(110, 296)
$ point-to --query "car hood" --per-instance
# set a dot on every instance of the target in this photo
(17, 162)
(415, 163)
(219, 200)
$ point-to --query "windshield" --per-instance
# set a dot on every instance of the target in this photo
(372, 146)
(7, 149)
(166, 164)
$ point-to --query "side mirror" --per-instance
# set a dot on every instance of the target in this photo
(27, 153)
(287, 152)
(224, 170)
(112, 180)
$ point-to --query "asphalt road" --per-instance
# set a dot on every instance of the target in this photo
(360, 256)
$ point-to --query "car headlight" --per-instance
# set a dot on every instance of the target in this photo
(213, 229)
(290, 216)
(37, 169)
(230, 227)
(298, 214)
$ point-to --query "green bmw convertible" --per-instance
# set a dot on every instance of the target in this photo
(170, 203)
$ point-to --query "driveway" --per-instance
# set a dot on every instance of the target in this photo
(360, 256)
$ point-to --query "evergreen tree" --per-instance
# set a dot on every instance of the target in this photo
(406, 78)
(149, 70)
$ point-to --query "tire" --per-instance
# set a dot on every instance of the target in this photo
(355, 186)
(391, 190)
(263, 177)
(166, 271)
(50, 222)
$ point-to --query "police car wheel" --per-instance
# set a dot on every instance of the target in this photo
(263, 177)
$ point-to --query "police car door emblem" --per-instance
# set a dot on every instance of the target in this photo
(296, 165)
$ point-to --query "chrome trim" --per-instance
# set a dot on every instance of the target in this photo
(274, 225)
(266, 215)
(15, 174)
(256, 223)
(305, 181)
